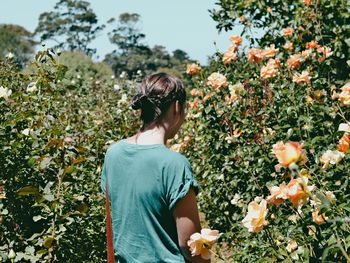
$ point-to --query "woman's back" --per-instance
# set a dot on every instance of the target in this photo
(144, 184)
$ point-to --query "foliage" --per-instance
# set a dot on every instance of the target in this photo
(252, 102)
(16, 41)
(73, 25)
(325, 21)
(53, 136)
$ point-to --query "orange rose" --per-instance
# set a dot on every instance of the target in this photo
(194, 104)
(302, 78)
(242, 18)
(278, 194)
(312, 44)
(270, 52)
(288, 46)
(255, 55)
(344, 143)
(255, 218)
(193, 69)
(307, 2)
(309, 99)
(236, 39)
(294, 61)
(288, 31)
(318, 219)
(298, 191)
(229, 56)
(217, 80)
(287, 153)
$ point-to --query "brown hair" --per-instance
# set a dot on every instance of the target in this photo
(157, 92)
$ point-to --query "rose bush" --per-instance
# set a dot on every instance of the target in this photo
(57, 119)
(284, 140)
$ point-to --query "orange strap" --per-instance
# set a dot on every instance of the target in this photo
(110, 248)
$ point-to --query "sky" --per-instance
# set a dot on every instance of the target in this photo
(175, 24)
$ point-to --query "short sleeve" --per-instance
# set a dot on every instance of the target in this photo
(179, 180)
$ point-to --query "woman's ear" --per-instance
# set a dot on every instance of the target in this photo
(177, 107)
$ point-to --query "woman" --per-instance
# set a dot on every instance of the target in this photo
(151, 188)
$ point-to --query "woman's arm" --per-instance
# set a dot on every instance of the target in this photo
(187, 222)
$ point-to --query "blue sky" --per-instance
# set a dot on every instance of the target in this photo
(175, 24)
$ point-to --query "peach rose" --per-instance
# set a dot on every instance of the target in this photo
(318, 219)
(242, 18)
(330, 196)
(289, 152)
(344, 96)
(291, 246)
(298, 191)
(276, 62)
(236, 39)
(201, 243)
(294, 61)
(5, 92)
(176, 147)
(345, 127)
(193, 69)
(269, 71)
(196, 92)
(288, 46)
(278, 194)
(344, 143)
(229, 56)
(306, 53)
(288, 31)
(325, 51)
(208, 96)
(233, 48)
(270, 52)
(309, 99)
(255, 218)
(331, 157)
(217, 80)
(302, 78)
(255, 55)
(312, 44)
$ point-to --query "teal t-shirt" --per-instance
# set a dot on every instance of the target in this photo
(144, 184)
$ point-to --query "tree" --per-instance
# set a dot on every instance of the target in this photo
(133, 56)
(73, 25)
(126, 36)
(180, 55)
(18, 41)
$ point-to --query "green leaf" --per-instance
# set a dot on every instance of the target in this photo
(28, 190)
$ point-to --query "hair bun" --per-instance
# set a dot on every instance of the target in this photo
(138, 101)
